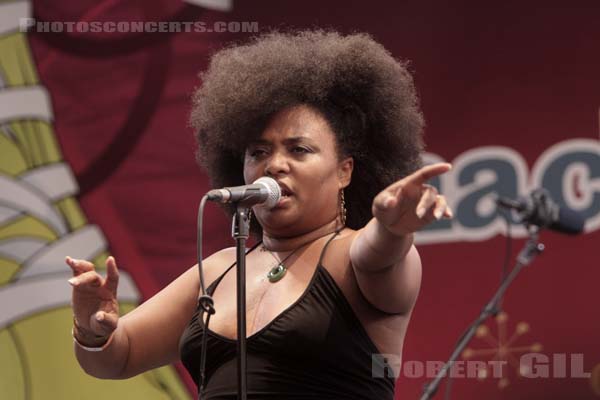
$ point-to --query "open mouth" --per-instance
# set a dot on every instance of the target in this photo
(285, 192)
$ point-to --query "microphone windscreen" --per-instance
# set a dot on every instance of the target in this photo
(273, 189)
(569, 221)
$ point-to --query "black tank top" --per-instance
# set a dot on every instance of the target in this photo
(315, 349)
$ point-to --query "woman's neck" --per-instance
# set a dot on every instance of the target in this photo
(282, 244)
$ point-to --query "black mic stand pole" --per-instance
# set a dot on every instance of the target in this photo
(531, 249)
(240, 230)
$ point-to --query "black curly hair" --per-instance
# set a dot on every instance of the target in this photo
(367, 96)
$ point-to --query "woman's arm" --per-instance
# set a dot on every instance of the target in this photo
(387, 268)
(385, 261)
(147, 337)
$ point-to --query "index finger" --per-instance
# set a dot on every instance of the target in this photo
(112, 275)
(79, 266)
(426, 173)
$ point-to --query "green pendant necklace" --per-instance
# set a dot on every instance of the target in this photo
(278, 271)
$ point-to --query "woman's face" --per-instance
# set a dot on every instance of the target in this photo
(298, 150)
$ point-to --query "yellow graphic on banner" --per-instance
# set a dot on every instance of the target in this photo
(41, 222)
(502, 348)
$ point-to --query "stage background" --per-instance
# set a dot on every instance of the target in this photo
(511, 96)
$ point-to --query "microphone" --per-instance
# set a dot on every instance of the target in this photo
(540, 210)
(264, 191)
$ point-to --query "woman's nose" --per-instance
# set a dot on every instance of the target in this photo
(276, 164)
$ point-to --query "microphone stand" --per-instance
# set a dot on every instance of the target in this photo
(531, 249)
(240, 230)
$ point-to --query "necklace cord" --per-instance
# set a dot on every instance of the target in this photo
(278, 271)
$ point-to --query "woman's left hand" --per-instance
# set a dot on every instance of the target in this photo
(410, 203)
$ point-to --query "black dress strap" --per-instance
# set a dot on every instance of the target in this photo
(211, 288)
(327, 244)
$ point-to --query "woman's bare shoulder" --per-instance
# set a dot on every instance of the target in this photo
(214, 265)
(340, 245)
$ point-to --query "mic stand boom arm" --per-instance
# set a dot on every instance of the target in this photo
(531, 249)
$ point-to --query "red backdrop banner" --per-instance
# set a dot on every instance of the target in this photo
(511, 96)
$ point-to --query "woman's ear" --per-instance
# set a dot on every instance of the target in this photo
(345, 168)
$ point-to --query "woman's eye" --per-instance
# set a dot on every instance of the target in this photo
(257, 153)
(299, 149)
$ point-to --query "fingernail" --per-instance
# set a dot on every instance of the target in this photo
(73, 281)
(437, 214)
(99, 316)
(420, 212)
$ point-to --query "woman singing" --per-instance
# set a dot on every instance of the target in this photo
(334, 276)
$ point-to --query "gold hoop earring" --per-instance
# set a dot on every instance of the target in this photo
(342, 208)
